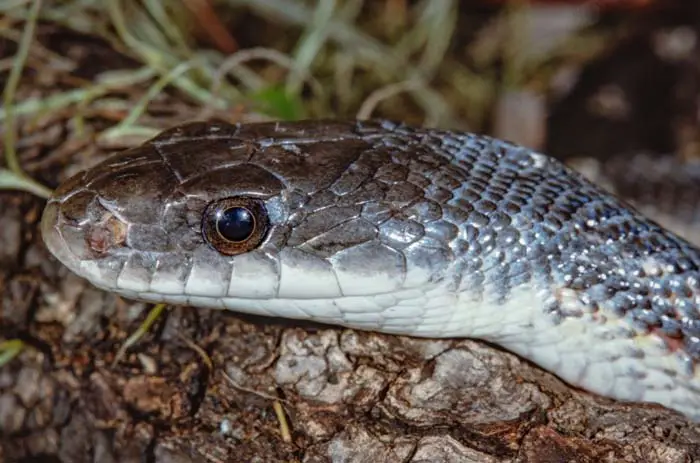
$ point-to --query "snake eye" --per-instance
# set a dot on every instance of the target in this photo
(235, 225)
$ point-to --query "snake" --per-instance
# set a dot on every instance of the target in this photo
(380, 226)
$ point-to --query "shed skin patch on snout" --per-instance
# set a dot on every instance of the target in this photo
(107, 234)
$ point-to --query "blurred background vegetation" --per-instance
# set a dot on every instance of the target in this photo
(109, 74)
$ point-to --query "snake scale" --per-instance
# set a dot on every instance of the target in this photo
(379, 226)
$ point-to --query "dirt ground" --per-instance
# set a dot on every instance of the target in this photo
(210, 386)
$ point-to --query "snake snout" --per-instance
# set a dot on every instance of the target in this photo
(77, 226)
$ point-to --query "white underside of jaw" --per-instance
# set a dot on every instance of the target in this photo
(292, 274)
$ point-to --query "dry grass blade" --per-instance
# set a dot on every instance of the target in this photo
(153, 316)
(16, 176)
(9, 350)
(11, 181)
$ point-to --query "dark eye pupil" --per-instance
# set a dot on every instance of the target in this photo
(235, 224)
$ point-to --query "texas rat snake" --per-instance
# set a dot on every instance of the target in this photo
(384, 227)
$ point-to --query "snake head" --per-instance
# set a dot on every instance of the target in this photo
(226, 216)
